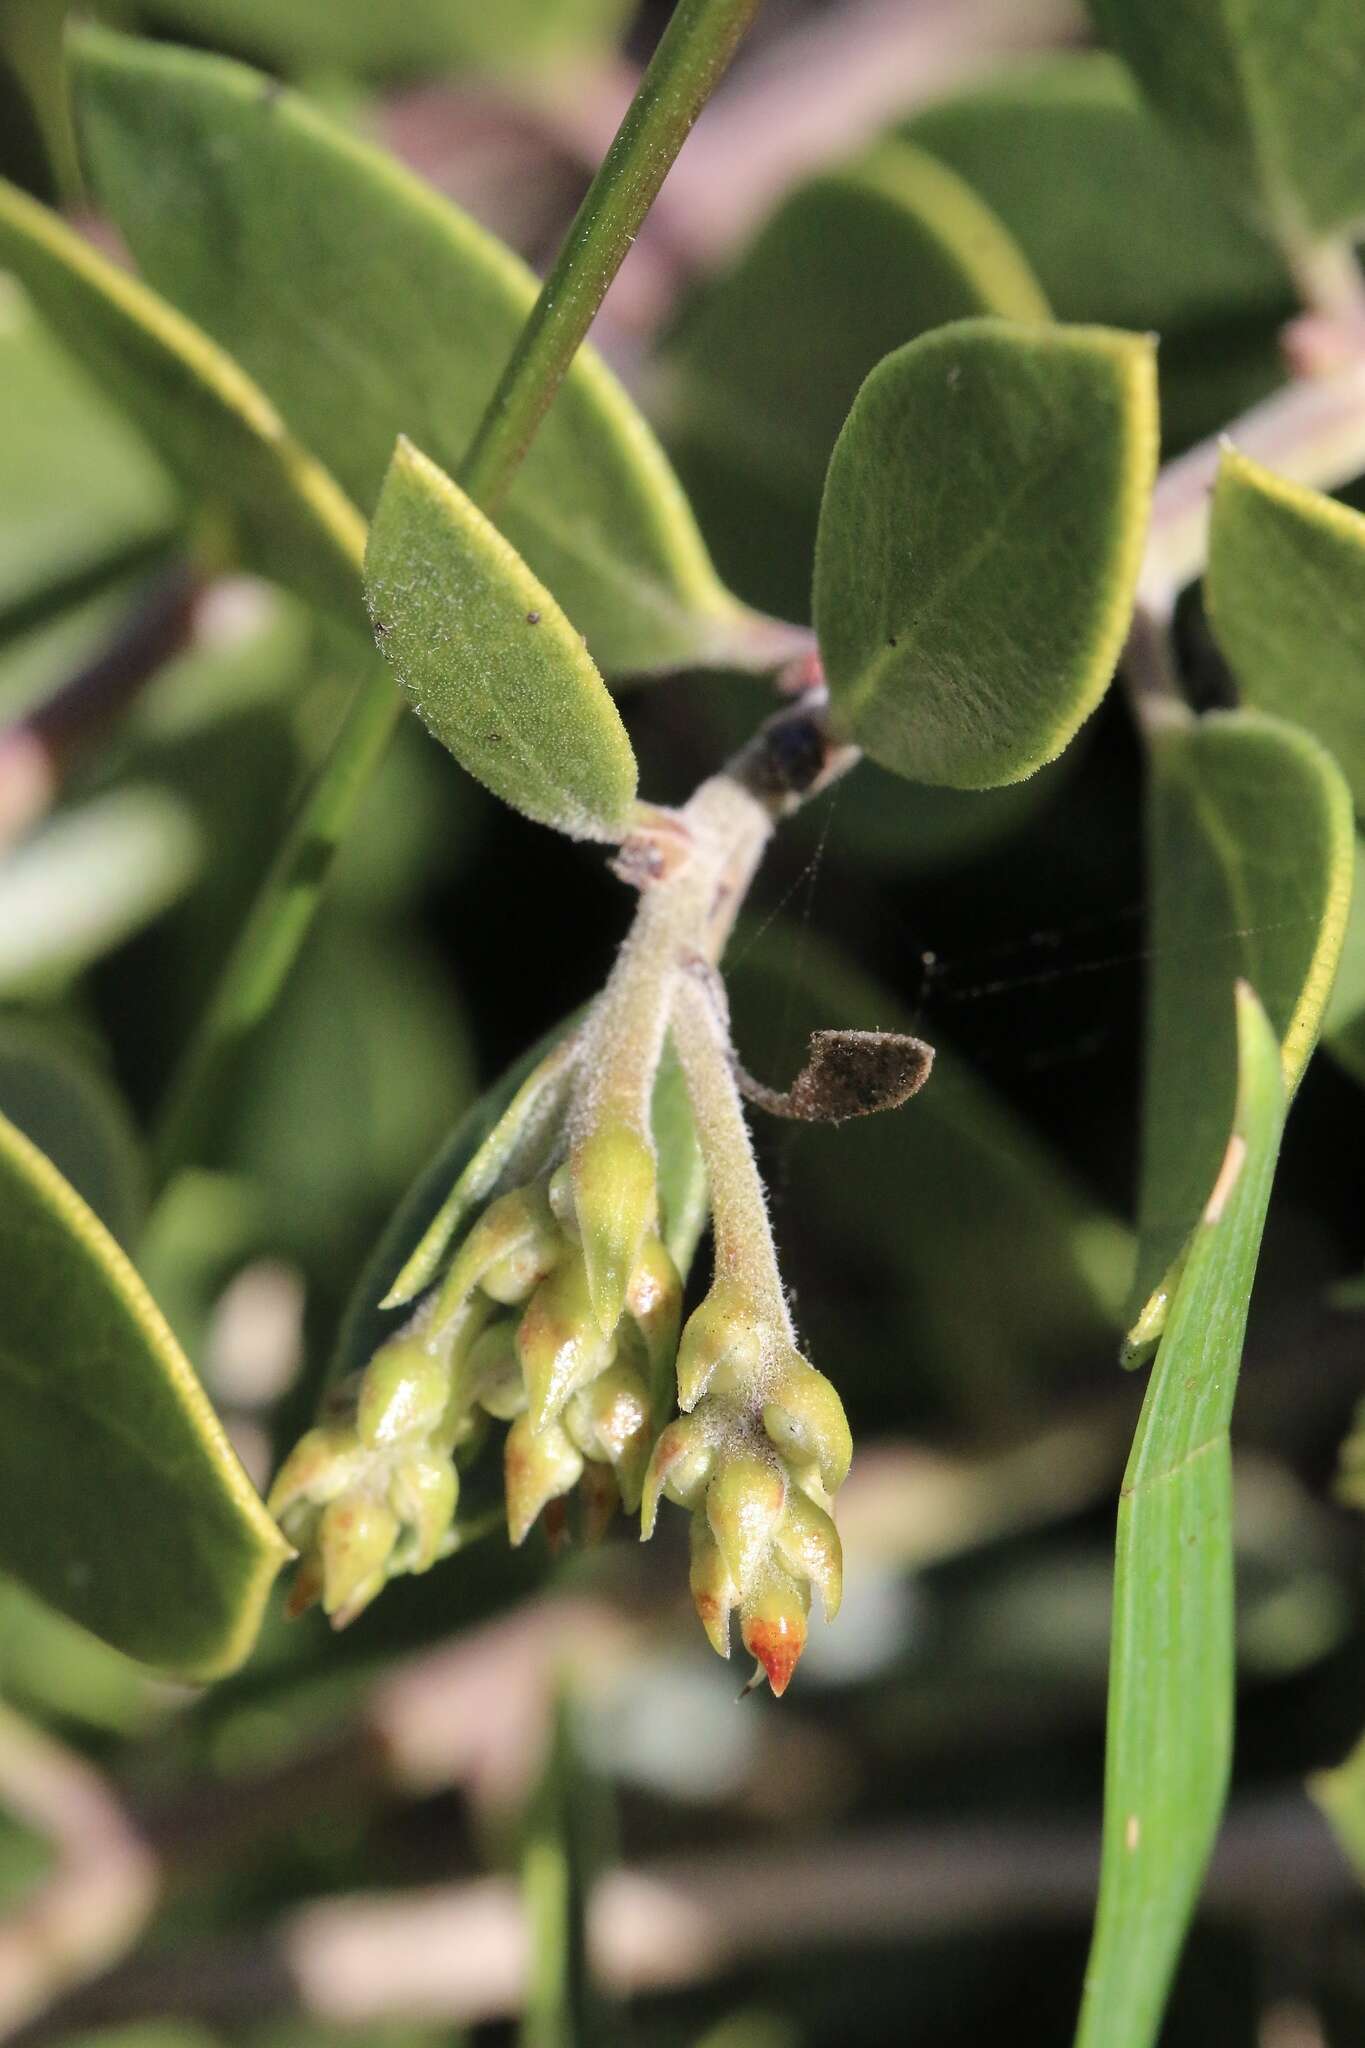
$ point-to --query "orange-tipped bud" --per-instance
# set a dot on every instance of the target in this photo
(403, 1394)
(773, 1626)
(744, 1504)
(559, 1341)
(356, 1537)
(538, 1466)
(423, 1494)
(722, 1336)
(808, 1544)
(615, 1203)
(805, 1419)
(683, 1461)
(713, 1590)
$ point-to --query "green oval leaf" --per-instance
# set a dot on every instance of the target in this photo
(980, 538)
(872, 254)
(1286, 594)
(1171, 1673)
(1343, 1028)
(497, 673)
(121, 1501)
(209, 422)
(1251, 848)
(1269, 91)
(1100, 198)
(369, 307)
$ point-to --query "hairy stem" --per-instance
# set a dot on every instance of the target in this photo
(693, 53)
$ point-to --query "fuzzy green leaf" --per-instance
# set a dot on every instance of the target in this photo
(1271, 92)
(767, 363)
(1171, 1674)
(496, 672)
(980, 538)
(1286, 593)
(121, 1501)
(1100, 198)
(211, 425)
(1251, 851)
(369, 307)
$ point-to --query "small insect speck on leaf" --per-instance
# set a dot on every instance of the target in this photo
(533, 618)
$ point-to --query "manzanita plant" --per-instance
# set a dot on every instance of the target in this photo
(932, 393)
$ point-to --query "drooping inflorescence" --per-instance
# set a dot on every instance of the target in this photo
(545, 1295)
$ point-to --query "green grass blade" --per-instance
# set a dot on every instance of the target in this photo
(1171, 1681)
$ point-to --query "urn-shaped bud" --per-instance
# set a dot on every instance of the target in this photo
(538, 1466)
(805, 1420)
(560, 1341)
(722, 1336)
(744, 1503)
(773, 1625)
(615, 1206)
(356, 1537)
(403, 1393)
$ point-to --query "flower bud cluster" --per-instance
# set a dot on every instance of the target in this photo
(758, 1453)
(557, 1314)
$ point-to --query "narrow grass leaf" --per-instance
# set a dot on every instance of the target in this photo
(980, 538)
(1171, 1673)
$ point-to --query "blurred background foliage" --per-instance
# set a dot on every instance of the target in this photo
(905, 1849)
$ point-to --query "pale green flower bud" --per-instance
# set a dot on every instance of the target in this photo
(492, 1373)
(744, 1504)
(322, 1464)
(403, 1393)
(423, 1494)
(356, 1537)
(539, 1466)
(616, 1204)
(516, 1236)
(559, 1341)
(806, 1421)
(654, 1304)
(808, 1543)
(714, 1594)
(683, 1461)
(610, 1421)
(773, 1625)
(722, 1332)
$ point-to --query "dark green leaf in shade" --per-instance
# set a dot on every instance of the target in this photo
(1286, 593)
(1171, 1674)
(74, 1116)
(768, 360)
(1101, 199)
(1271, 93)
(368, 307)
(1340, 1794)
(1251, 851)
(980, 538)
(121, 1501)
(495, 670)
(208, 421)
(82, 494)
